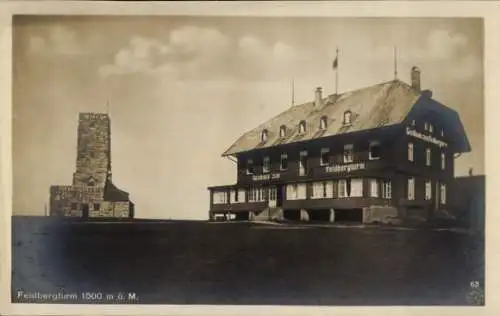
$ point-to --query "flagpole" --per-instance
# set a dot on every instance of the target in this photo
(293, 92)
(337, 72)
(395, 63)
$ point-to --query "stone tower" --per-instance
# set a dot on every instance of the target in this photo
(93, 160)
(92, 193)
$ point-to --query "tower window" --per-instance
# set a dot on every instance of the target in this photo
(443, 161)
(302, 127)
(282, 131)
(264, 136)
(427, 156)
(323, 122)
(347, 117)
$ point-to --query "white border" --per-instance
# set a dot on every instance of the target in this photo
(489, 10)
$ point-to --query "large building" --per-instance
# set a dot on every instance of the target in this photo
(380, 152)
(92, 193)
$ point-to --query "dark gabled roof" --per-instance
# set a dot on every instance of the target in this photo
(112, 193)
(376, 106)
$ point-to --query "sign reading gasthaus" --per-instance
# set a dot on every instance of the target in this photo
(348, 168)
(426, 138)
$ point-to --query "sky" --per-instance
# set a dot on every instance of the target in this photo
(182, 89)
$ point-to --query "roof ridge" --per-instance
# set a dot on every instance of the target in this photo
(361, 97)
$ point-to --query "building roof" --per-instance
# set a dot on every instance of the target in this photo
(376, 106)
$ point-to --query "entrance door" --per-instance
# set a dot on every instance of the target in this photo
(279, 196)
(272, 197)
(85, 211)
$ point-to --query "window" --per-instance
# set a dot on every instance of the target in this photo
(431, 128)
(264, 135)
(443, 193)
(325, 156)
(74, 206)
(284, 162)
(303, 163)
(291, 191)
(442, 132)
(411, 189)
(348, 153)
(387, 189)
(347, 117)
(220, 197)
(428, 190)
(301, 191)
(266, 165)
(443, 161)
(321, 190)
(250, 168)
(272, 194)
(374, 152)
(413, 123)
(241, 195)
(282, 131)
(356, 188)
(237, 196)
(97, 206)
(256, 195)
(342, 189)
(373, 188)
(323, 122)
(317, 190)
(426, 126)
(427, 156)
(410, 152)
(302, 127)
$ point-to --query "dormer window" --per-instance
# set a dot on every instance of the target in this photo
(302, 127)
(322, 123)
(264, 135)
(442, 132)
(347, 117)
(413, 123)
(431, 128)
(282, 131)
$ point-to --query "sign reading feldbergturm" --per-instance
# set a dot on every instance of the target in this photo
(92, 193)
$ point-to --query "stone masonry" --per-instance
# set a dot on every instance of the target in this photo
(92, 193)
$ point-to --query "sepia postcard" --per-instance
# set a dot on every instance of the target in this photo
(244, 158)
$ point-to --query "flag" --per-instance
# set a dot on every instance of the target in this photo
(336, 63)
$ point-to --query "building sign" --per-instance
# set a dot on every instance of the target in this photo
(348, 168)
(426, 138)
(263, 177)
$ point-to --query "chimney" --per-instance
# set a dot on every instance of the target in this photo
(415, 78)
(318, 98)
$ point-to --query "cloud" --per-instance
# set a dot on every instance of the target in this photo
(57, 40)
(196, 53)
